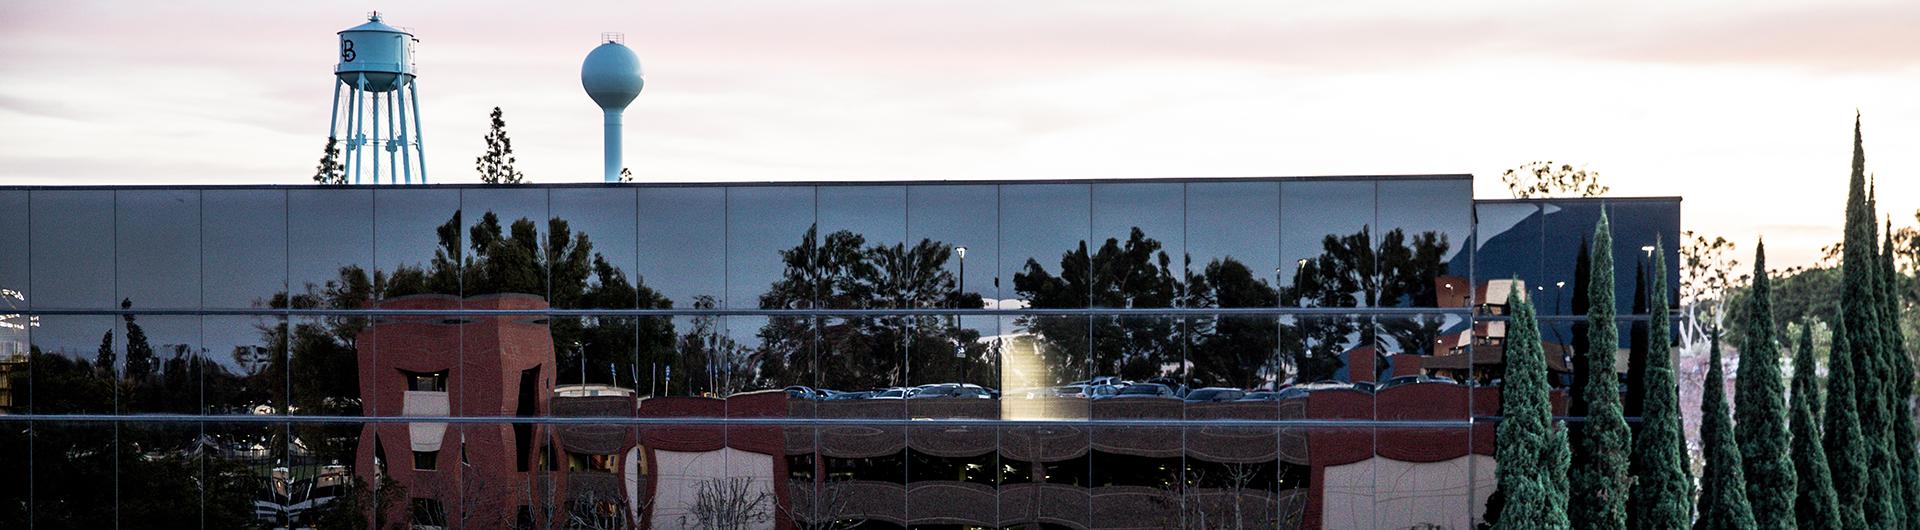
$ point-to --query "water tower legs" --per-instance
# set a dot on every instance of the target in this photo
(419, 141)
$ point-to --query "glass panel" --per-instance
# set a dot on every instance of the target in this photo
(599, 354)
(421, 464)
(703, 361)
(73, 475)
(13, 237)
(72, 242)
(498, 489)
(953, 473)
(1424, 226)
(250, 484)
(159, 474)
(1325, 350)
(507, 248)
(331, 467)
(1636, 226)
(960, 355)
(1326, 249)
(244, 241)
(863, 260)
(248, 369)
(601, 226)
(1140, 232)
(777, 354)
(961, 217)
(1428, 370)
(1507, 248)
(1136, 477)
(863, 467)
(16, 438)
(328, 355)
(1047, 355)
(862, 358)
(418, 245)
(330, 247)
(160, 358)
(1428, 476)
(771, 240)
(1566, 250)
(1046, 475)
(1233, 244)
(74, 364)
(1235, 367)
(157, 264)
(683, 245)
(16, 361)
(1237, 477)
(1046, 256)
(1141, 349)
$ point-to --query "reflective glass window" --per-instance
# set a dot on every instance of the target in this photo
(1326, 247)
(13, 264)
(1566, 254)
(1637, 226)
(418, 245)
(1233, 244)
(158, 248)
(159, 363)
(683, 245)
(1425, 227)
(330, 247)
(1140, 235)
(247, 368)
(601, 253)
(508, 249)
(72, 241)
(76, 491)
(329, 354)
(864, 259)
(75, 364)
(250, 482)
(966, 220)
(772, 239)
(16, 438)
(1045, 244)
(1507, 248)
(244, 247)
(160, 475)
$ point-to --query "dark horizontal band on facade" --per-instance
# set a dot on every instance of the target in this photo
(1097, 311)
(1463, 422)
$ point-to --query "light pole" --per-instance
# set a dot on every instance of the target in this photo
(962, 252)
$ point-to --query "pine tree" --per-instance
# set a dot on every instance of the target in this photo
(1600, 477)
(1723, 491)
(1662, 490)
(1762, 410)
(329, 170)
(496, 166)
(1535, 498)
(1814, 505)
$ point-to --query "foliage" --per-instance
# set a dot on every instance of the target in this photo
(1708, 272)
(1545, 179)
(1860, 317)
(1662, 489)
(1899, 386)
(1762, 410)
(1534, 496)
(1723, 486)
(496, 165)
(1814, 503)
(329, 171)
(1848, 452)
(1600, 476)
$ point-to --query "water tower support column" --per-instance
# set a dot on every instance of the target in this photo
(406, 156)
(333, 118)
(419, 142)
(613, 145)
(397, 142)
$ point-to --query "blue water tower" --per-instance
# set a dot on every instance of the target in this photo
(611, 75)
(375, 70)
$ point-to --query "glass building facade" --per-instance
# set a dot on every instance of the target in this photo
(1257, 353)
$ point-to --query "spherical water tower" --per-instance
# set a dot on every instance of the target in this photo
(376, 69)
(611, 75)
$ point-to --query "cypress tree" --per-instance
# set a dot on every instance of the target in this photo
(1859, 317)
(1762, 410)
(1840, 436)
(1535, 497)
(1900, 387)
(1582, 273)
(1813, 505)
(1662, 490)
(1723, 492)
(1600, 477)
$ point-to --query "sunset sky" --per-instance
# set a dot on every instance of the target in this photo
(1745, 108)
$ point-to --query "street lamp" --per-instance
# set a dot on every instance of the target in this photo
(962, 252)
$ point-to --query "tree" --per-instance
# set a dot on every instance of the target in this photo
(1526, 472)
(1545, 179)
(1900, 387)
(1859, 318)
(1723, 488)
(1840, 437)
(329, 169)
(1663, 489)
(1762, 410)
(1708, 272)
(496, 166)
(1600, 478)
(1814, 505)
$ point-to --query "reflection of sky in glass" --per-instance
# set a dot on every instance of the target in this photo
(73, 336)
(326, 230)
(406, 222)
(1157, 209)
(13, 244)
(1416, 206)
(509, 204)
(606, 217)
(1310, 211)
(962, 216)
(161, 228)
(1039, 222)
(244, 234)
(682, 237)
(761, 222)
(1239, 220)
(72, 249)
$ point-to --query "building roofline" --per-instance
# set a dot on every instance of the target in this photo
(761, 183)
(1651, 198)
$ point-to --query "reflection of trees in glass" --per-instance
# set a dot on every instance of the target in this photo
(1350, 271)
(843, 271)
(1133, 274)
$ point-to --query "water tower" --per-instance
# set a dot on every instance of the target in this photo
(611, 75)
(376, 70)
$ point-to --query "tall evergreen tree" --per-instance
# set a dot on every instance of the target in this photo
(1600, 477)
(1582, 302)
(1859, 318)
(1900, 387)
(1762, 410)
(1662, 490)
(1840, 436)
(1723, 491)
(496, 165)
(1526, 469)
(329, 169)
(1813, 505)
